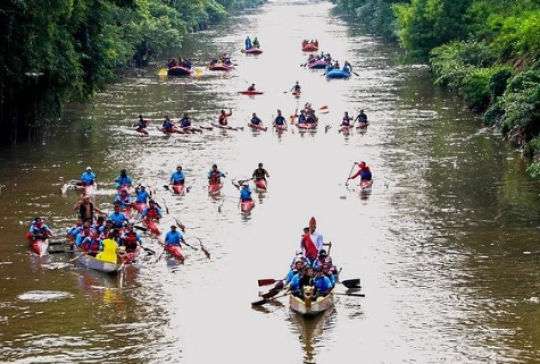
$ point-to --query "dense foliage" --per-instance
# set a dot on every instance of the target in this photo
(486, 50)
(57, 50)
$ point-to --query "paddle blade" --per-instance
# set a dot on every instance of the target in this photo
(266, 282)
(351, 283)
(198, 71)
(259, 302)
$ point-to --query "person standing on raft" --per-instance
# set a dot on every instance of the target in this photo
(312, 241)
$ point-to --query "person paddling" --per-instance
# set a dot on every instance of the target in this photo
(256, 43)
(364, 172)
(152, 212)
(118, 218)
(178, 178)
(256, 121)
(38, 230)
(215, 175)
(248, 43)
(279, 121)
(169, 126)
(322, 283)
(260, 174)
(346, 121)
(142, 125)
(223, 117)
(362, 119)
(88, 178)
(173, 240)
(123, 181)
(141, 199)
(296, 88)
(251, 88)
(185, 124)
(245, 193)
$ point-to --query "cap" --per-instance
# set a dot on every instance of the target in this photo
(89, 168)
(322, 253)
(173, 226)
(312, 222)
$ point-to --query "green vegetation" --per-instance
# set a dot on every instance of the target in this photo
(52, 51)
(488, 51)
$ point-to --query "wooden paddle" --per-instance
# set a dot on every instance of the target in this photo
(267, 281)
(180, 225)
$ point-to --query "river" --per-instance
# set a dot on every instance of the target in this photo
(446, 244)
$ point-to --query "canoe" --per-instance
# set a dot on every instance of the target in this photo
(345, 129)
(260, 184)
(220, 67)
(362, 125)
(318, 64)
(252, 51)
(337, 74)
(251, 93)
(40, 246)
(297, 93)
(366, 184)
(310, 307)
(179, 71)
(247, 206)
(130, 256)
(281, 127)
(227, 127)
(257, 127)
(178, 189)
(140, 206)
(310, 47)
(99, 265)
(153, 226)
(214, 188)
(306, 126)
(175, 251)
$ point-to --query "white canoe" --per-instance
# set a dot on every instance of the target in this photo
(309, 307)
(106, 267)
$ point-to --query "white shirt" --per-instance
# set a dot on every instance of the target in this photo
(317, 239)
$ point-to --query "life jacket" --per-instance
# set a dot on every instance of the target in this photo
(260, 173)
(152, 213)
(130, 240)
(214, 178)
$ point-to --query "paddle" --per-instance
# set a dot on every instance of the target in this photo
(162, 71)
(180, 225)
(203, 248)
(264, 300)
(142, 228)
(266, 281)
(351, 294)
(350, 173)
(351, 283)
(166, 207)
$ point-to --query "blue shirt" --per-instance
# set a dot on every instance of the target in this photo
(173, 238)
(219, 174)
(167, 124)
(34, 230)
(301, 119)
(256, 121)
(79, 238)
(365, 175)
(185, 122)
(142, 196)
(122, 201)
(178, 178)
(322, 285)
(295, 282)
(88, 178)
(245, 194)
(280, 120)
(123, 181)
(74, 231)
(118, 219)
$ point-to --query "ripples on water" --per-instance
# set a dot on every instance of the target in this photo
(439, 244)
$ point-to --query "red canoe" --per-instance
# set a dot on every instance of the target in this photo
(296, 93)
(306, 126)
(365, 184)
(153, 226)
(318, 64)
(140, 206)
(129, 257)
(252, 51)
(362, 125)
(257, 127)
(175, 251)
(247, 206)
(260, 184)
(220, 67)
(40, 246)
(310, 47)
(281, 127)
(214, 188)
(178, 189)
(250, 92)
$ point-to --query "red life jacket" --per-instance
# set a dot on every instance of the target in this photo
(152, 213)
(214, 178)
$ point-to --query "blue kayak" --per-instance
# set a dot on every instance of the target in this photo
(337, 73)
